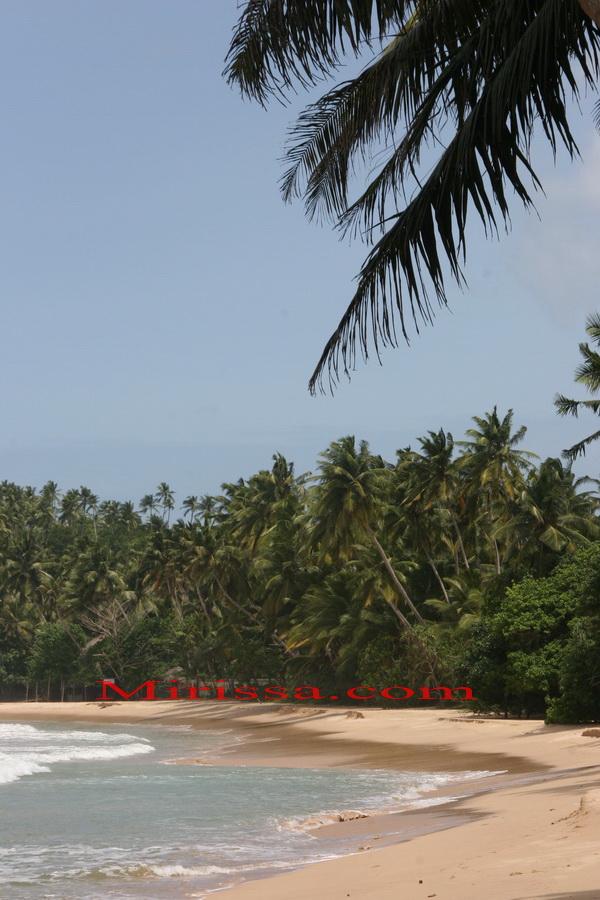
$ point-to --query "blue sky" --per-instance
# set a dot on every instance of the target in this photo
(163, 309)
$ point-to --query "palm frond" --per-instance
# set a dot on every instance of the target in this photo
(279, 42)
(488, 154)
(567, 407)
(579, 449)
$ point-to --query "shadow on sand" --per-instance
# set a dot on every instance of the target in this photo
(571, 895)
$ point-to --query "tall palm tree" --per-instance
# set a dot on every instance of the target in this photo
(148, 504)
(191, 505)
(70, 508)
(267, 500)
(469, 77)
(432, 479)
(346, 504)
(587, 374)
(552, 516)
(87, 500)
(24, 570)
(166, 499)
(127, 515)
(493, 469)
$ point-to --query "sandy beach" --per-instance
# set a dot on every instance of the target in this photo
(533, 832)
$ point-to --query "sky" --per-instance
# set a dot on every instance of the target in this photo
(163, 309)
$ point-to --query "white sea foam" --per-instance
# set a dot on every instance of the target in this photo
(11, 768)
(26, 750)
(72, 753)
(187, 871)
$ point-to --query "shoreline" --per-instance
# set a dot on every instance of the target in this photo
(527, 833)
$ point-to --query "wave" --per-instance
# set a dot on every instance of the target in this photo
(73, 753)
(26, 750)
(12, 769)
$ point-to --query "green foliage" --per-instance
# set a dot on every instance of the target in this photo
(419, 573)
(388, 662)
(13, 663)
(579, 675)
(55, 654)
(539, 649)
(136, 654)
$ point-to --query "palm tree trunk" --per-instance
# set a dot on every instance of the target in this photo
(497, 553)
(68, 631)
(390, 570)
(592, 9)
(202, 604)
(438, 577)
(39, 610)
(460, 543)
(255, 619)
(176, 605)
(414, 638)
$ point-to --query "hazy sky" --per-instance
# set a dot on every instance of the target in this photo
(163, 309)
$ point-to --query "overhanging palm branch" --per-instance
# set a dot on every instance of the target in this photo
(488, 69)
(588, 374)
(278, 43)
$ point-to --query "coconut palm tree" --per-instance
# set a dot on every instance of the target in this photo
(552, 516)
(467, 78)
(191, 505)
(70, 508)
(346, 507)
(128, 516)
(267, 500)
(165, 498)
(147, 504)
(24, 570)
(432, 480)
(587, 374)
(494, 471)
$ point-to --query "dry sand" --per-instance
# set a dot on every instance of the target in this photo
(536, 835)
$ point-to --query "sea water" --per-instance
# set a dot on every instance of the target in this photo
(102, 812)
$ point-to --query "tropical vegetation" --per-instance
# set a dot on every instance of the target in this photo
(466, 562)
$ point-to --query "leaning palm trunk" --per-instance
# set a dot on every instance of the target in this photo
(255, 619)
(439, 578)
(390, 570)
(410, 632)
(202, 604)
(497, 554)
(460, 543)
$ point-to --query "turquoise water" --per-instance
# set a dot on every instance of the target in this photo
(94, 813)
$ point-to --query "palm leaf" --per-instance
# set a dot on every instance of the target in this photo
(488, 153)
(279, 42)
(488, 69)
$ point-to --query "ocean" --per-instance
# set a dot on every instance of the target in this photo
(102, 812)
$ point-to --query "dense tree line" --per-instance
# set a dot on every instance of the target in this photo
(463, 562)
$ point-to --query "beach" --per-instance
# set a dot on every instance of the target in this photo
(531, 832)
